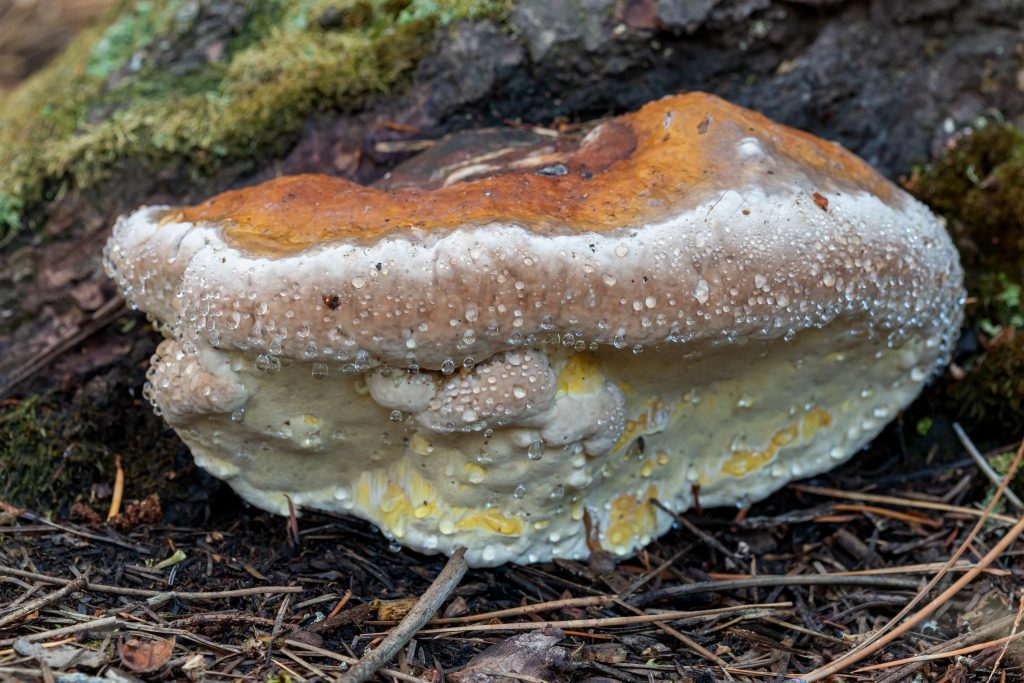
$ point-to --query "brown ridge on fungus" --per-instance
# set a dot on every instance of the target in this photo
(680, 148)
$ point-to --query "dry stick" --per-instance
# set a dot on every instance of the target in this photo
(983, 465)
(942, 655)
(86, 534)
(398, 675)
(710, 540)
(94, 625)
(425, 608)
(684, 639)
(278, 625)
(31, 606)
(893, 500)
(644, 599)
(611, 621)
(882, 638)
(309, 665)
(985, 631)
(589, 601)
(1006, 645)
(164, 595)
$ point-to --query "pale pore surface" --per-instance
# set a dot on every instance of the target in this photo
(744, 354)
(738, 420)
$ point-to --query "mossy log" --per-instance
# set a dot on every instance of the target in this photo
(175, 100)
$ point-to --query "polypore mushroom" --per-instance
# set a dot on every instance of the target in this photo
(522, 357)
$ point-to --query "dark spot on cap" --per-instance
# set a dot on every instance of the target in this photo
(702, 127)
(820, 200)
(331, 301)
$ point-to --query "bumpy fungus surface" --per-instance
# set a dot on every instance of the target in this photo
(693, 298)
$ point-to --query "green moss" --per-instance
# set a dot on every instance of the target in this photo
(1001, 464)
(135, 28)
(131, 91)
(978, 186)
(60, 446)
(992, 393)
(38, 463)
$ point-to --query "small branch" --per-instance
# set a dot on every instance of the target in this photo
(891, 631)
(31, 606)
(644, 599)
(163, 595)
(428, 604)
(85, 626)
(605, 622)
(708, 539)
(926, 611)
(684, 639)
(984, 465)
(306, 647)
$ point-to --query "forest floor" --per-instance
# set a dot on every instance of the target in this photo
(767, 593)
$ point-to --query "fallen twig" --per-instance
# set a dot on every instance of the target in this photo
(164, 595)
(31, 606)
(885, 635)
(983, 465)
(650, 597)
(428, 604)
(893, 500)
(611, 621)
(398, 675)
(941, 655)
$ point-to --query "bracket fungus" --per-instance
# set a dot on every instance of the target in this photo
(526, 354)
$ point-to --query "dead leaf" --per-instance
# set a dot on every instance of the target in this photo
(62, 656)
(143, 654)
(456, 608)
(534, 654)
(195, 667)
(606, 653)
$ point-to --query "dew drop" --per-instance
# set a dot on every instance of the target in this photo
(702, 292)
(535, 451)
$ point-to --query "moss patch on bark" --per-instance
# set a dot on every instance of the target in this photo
(978, 186)
(198, 87)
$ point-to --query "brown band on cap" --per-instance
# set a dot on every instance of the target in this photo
(644, 166)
